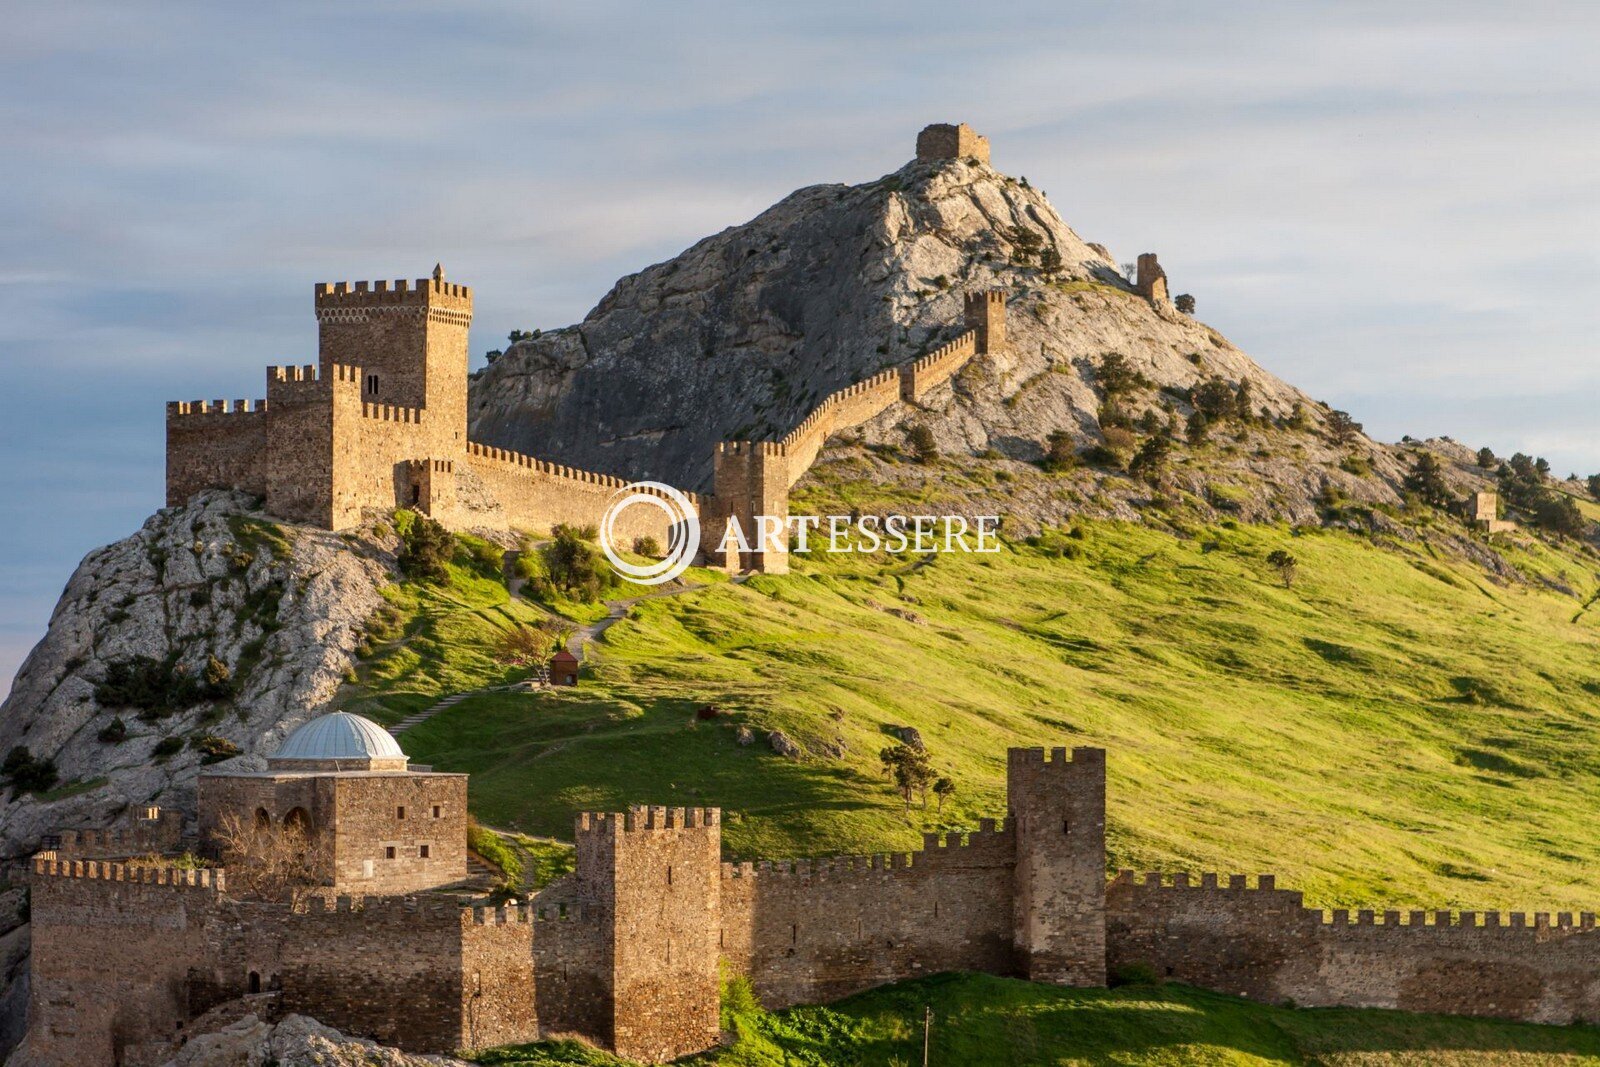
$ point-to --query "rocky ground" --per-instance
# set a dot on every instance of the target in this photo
(296, 1041)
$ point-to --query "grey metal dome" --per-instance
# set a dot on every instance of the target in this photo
(342, 738)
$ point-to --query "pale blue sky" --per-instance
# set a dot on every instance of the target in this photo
(1393, 206)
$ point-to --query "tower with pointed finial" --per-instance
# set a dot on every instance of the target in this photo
(410, 341)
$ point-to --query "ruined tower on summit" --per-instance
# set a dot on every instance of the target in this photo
(944, 141)
(1150, 281)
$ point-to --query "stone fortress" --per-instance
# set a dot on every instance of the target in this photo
(394, 941)
(380, 421)
(628, 951)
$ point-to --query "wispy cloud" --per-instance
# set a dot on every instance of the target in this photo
(1395, 206)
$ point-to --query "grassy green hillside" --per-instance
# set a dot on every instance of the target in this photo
(1394, 729)
(980, 1021)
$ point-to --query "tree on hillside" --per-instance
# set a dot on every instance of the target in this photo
(1196, 428)
(525, 646)
(1594, 486)
(923, 446)
(426, 547)
(574, 565)
(1216, 399)
(1486, 458)
(1050, 260)
(1342, 428)
(1060, 452)
(1184, 303)
(1285, 564)
(1116, 376)
(1541, 466)
(1427, 481)
(1151, 459)
(943, 790)
(1559, 514)
(910, 769)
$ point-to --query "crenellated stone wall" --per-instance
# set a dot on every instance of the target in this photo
(380, 422)
(628, 950)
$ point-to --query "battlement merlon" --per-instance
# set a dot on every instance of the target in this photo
(432, 292)
(1056, 757)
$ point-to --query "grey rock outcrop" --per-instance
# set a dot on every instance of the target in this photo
(281, 608)
(296, 1041)
(742, 333)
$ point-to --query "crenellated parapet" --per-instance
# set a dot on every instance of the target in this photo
(433, 298)
(646, 818)
(211, 879)
(189, 408)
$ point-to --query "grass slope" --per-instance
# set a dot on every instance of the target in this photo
(1395, 729)
(981, 1021)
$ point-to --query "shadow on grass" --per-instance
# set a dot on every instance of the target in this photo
(537, 759)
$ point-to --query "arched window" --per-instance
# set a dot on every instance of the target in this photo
(255, 981)
(263, 818)
(299, 819)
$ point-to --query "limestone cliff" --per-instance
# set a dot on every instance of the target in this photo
(740, 335)
(136, 631)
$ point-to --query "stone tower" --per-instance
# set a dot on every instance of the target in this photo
(1150, 280)
(655, 875)
(1059, 808)
(944, 141)
(986, 313)
(409, 340)
(751, 480)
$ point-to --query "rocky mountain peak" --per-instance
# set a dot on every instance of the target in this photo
(739, 335)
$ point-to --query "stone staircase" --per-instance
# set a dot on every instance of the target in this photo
(423, 716)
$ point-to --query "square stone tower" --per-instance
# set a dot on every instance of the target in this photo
(1059, 807)
(656, 876)
(409, 340)
(944, 141)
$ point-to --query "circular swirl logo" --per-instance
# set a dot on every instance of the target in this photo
(682, 525)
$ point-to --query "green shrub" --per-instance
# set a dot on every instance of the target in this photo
(647, 546)
(426, 549)
(923, 446)
(214, 749)
(25, 774)
(114, 732)
(158, 688)
(574, 567)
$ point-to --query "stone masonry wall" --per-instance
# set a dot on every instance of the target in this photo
(945, 141)
(1261, 943)
(405, 814)
(216, 443)
(812, 931)
(112, 948)
(536, 495)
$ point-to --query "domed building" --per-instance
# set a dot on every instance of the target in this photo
(377, 825)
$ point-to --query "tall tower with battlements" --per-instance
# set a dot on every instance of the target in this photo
(986, 314)
(1059, 807)
(655, 874)
(409, 341)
